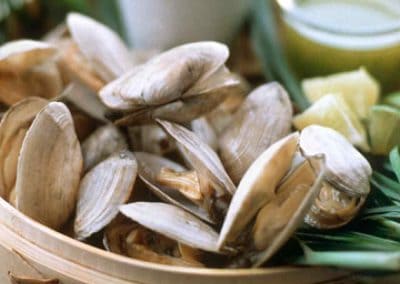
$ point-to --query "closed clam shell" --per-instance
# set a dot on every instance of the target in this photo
(103, 142)
(23, 54)
(174, 223)
(101, 46)
(13, 127)
(166, 77)
(49, 167)
(264, 117)
(347, 169)
(189, 108)
(102, 190)
(150, 166)
(257, 187)
(202, 159)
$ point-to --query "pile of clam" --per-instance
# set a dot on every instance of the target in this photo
(164, 156)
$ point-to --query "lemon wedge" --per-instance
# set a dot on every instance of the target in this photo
(384, 129)
(358, 88)
(332, 111)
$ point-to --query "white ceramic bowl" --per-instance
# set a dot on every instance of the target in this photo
(161, 24)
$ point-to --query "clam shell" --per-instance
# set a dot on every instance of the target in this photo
(203, 129)
(264, 117)
(101, 46)
(277, 221)
(20, 55)
(85, 100)
(155, 140)
(347, 169)
(257, 187)
(149, 166)
(174, 223)
(105, 141)
(13, 127)
(49, 167)
(166, 77)
(202, 159)
(102, 190)
(333, 208)
(189, 108)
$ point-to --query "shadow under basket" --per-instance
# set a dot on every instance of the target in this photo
(32, 251)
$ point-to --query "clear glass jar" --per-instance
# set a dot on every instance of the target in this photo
(327, 36)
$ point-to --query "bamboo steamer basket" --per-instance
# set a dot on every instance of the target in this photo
(29, 249)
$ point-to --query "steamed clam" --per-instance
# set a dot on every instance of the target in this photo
(263, 118)
(13, 128)
(173, 82)
(28, 69)
(164, 156)
(49, 167)
(102, 190)
(347, 177)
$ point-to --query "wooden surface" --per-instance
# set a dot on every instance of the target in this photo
(30, 249)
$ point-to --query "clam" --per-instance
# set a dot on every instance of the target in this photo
(13, 127)
(155, 140)
(106, 140)
(347, 177)
(102, 190)
(263, 118)
(204, 130)
(173, 77)
(257, 187)
(221, 117)
(85, 100)
(21, 55)
(49, 167)
(135, 241)
(100, 46)
(174, 223)
(202, 159)
(28, 69)
(150, 167)
(271, 202)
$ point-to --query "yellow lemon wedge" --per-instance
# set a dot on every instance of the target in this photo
(384, 129)
(332, 111)
(358, 88)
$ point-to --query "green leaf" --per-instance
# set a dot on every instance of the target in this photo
(393, 99)
(394, 157)
(387, 186)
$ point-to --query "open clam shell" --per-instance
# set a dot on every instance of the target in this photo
(101, 46)
(49, 167)
(347, 169)
(203, 129)
(333, 208)
(135, 241)
(202, 159)
(257, 187)
(277, 221)
(13, 127)
(174, 223)
(102, 190)
(150, 166)
(263, 118)
(106, 140)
